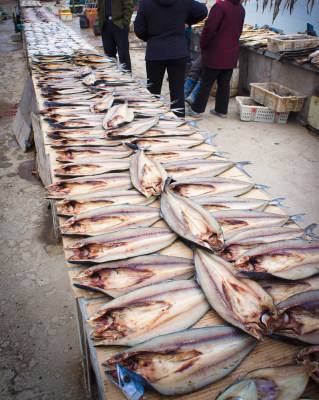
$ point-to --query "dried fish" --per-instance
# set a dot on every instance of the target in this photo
(310, 355)
(103, 104)
(178, 154)
(86, 141)
(79, 153)
(287, 259)
(76, 186)
(166, 143)
(90, 167)
(119, 277)
(173, 364)
(122, 244)
(110, 218)
(117, 115)
(190, 221)
(74, 205)
(147, 312)
(137, 127)
(245, 389)
(148, 176)
(241, 302)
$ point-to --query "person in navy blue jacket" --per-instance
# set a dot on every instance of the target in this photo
(219, 43)
(161, 23)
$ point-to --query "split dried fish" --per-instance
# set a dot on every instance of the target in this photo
(110, 218)
(74, 205)
(103, 104)
(119, 277)
(148, 176)
(173, 364)
(80, 153)
(87, 141)
(310, 355)
(134, 128)
(190, 221)
(147, 312)
(166, 143)
(117, 115)
(178, 154)
(287, 259)
(241, 302)
(245, 389)
(119, 245)
(76, 186)
(90, 167)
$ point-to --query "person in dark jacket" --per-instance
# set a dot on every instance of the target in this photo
(161, 23)
(219, 44)
(114, 17)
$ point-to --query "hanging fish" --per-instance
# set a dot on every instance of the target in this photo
(148, 176)
(119, 277)
(287, 259)
(125, 243)
(147, 312)
(181, 362)
(298, 317)
(74, 205)
(241, 302)
(190, 221)
(109, 219)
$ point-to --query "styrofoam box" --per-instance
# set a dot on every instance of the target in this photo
(280, 43)
(258, 113)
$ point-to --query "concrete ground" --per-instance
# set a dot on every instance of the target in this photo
(39, 346)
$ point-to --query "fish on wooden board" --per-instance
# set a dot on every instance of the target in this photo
(235, 221)
(136, 127)
(157, 131)
(244, 389)
(117, 115)
(165, 156)
(241, 302)
(241, 242)
(119, 277)
(308, 355)
(147, 312)
(287, 259)
(298, 317)
(77, 123)
(91, 167)
(74, 133)
(125, 243)
(77, 153)
(83, 185)
(190, 221)
(173, 364)
(110, 219)
(74, 205)
(103, 104)
(84, 141)
(148, 176)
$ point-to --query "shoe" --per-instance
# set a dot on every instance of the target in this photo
(191, 98)
(191, 113)
(213, 112)
(189, 86)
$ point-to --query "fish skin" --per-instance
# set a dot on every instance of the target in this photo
(122, 244)
(190, 221)
(86, 141)
(70, 134)
(217, 203)
(197, 167)
(298, 317)
(76, 123)
(178, 154)
(285, 382)
(207, 187)
(136, 127)
(117, 115)
(306, 356)
(91, 167)
(245, 389)
(287, 259)
(235, 221)
(176, 361)
(119, 277)
(147, 312)
(281, 289)
(148, 176)
(157, 131)
(108, 219)
(164, 143)
(83, 185)
(241, 302)
(78, 153)
(75, 205)
(241, 242)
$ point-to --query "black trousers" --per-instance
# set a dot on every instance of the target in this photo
(208, 77)
(176, 69)
(115, 40)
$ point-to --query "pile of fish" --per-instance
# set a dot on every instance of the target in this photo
(132, 179)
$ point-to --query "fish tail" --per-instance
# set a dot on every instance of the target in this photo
(240, 165)
(220, 153)
(277, 202)
(297, 217)
(209, 140)
(261, 187)
(309, 231)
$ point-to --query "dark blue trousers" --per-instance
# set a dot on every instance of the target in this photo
(176, 69)
(115, 40)
(208, 77)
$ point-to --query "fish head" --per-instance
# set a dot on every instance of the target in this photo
(131, 384)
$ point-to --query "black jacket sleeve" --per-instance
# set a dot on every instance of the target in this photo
(140, 23)
(196, 13)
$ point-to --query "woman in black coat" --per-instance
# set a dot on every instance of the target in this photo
(161, 23)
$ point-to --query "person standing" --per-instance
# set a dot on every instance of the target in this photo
(161, 23)
(114, 17)
(219, 43)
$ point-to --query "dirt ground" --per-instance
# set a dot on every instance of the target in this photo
(39, 345)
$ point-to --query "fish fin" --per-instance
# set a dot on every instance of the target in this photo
(277, 202)
(88, 288)
(240, 165)
(309, 231)
(167, 182)
(209, 140)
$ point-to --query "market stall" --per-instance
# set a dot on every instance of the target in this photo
(76, 146)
